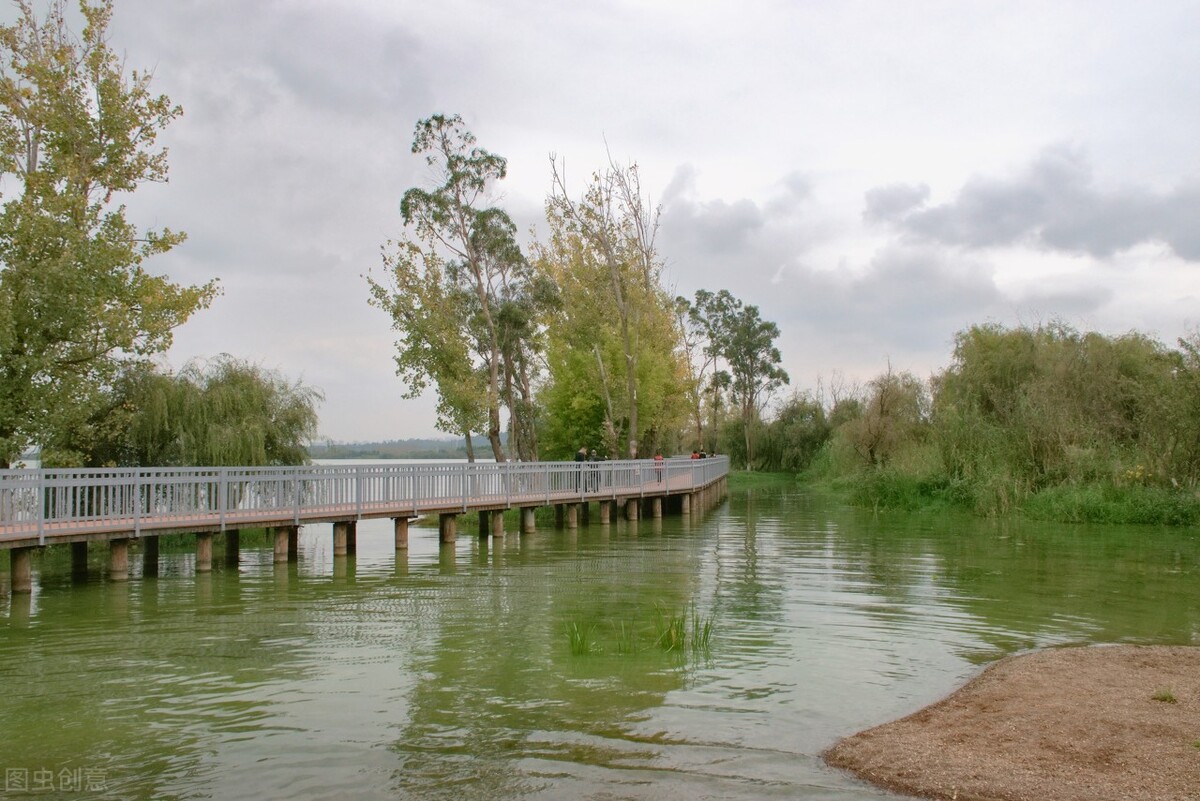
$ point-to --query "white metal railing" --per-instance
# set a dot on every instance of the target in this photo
(47, 502)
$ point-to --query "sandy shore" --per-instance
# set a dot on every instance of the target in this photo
(1066, 724)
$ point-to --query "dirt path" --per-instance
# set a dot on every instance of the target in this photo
(1066, 724)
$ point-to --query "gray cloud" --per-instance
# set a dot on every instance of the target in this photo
(890, 203)
(1054, 204)
(289, 164)
(718, 243)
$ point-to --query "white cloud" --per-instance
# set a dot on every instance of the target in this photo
(849, 168)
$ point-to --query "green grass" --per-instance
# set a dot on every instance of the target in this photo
(749, 479)
(1096, 502)
(625, 637)
(1105, 503)
(1165, 695)
(580, 638)
(669, 630)
(701, 632)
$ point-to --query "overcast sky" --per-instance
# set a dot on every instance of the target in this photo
(875, 176)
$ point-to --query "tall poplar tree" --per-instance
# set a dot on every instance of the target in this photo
(76, 302)
(616, 366)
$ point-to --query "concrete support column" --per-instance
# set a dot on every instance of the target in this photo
(484, 523)
(233, 546)
(293, 535)
(79, 559)
(400, 528)
(631, 509)
(204, 552)
(340, 532)
(281, 545)
(118, 559)
(605, 512)
(448, 527)
(572, 515)
(685, 503)
(21, 565)
(528, 519)
(352, 537)
(656, 504)
(498, 524)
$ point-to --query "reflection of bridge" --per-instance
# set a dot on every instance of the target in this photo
(45, 507)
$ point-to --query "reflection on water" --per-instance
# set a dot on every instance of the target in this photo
(447, 672)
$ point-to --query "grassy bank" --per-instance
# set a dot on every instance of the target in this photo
(1066, 503)
(749, 479)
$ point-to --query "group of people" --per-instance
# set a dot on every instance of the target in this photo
(593, 474)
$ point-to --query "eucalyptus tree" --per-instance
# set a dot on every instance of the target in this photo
(602, 252)
(451, 276)
(738, 336)
(705, 384)
(77, 132)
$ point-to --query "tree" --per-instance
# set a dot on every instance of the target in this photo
(425, 307)
(221, 412)
(700, 359)
(895, 412)
(796, 435)
(76, 302)
(746, 343)
(471, 254)
(616, 372)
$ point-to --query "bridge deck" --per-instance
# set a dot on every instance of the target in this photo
(40, 507)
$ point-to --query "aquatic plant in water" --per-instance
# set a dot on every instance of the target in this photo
(672, 631)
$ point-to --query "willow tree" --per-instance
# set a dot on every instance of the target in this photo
(221, 411)
(480, 268)
(76, 301)
(615, 363)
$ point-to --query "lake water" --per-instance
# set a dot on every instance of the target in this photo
(451, 674)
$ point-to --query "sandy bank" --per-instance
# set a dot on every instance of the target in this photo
(1066, 724)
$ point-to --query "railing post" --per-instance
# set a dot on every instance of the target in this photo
(222, 493)
(357, 492)
(42, 501)
(296, 492)
(137, 509)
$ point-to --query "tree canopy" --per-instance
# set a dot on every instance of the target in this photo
(76, 300)
(616, 372)
(460, 292)
(221, 411)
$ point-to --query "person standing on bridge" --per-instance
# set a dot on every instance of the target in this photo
(580, 458)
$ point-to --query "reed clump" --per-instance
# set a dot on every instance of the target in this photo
(668, 629)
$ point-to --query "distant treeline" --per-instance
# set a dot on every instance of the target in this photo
(443, 448)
